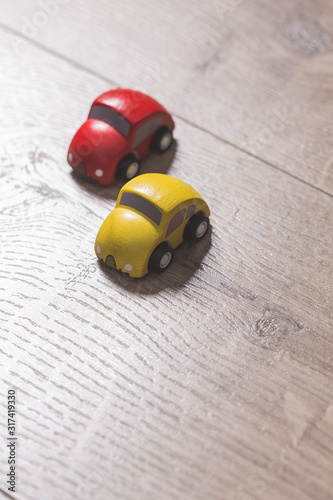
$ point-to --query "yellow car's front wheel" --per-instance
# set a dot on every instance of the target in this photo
(161, 258)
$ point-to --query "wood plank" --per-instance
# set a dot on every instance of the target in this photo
(254, 73)
(214, 381)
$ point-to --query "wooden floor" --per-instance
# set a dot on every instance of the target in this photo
(213, 382)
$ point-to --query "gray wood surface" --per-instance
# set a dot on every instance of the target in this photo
(215, 380)
(255, 73)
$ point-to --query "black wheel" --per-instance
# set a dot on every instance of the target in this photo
(161, 258)
(128, 167)
(197, 227)
(162, 140)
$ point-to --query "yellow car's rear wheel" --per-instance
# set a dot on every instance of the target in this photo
(197, 227)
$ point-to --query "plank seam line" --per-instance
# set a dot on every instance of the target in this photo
(262, 160)
(185, 120)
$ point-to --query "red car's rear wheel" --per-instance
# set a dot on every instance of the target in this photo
(162, 140)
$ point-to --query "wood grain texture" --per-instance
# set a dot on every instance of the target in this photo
(254, 73)
(214, 382)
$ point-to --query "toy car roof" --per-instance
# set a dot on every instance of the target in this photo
(164, 191)
(131, 104)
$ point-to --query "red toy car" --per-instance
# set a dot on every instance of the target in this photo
(122, 126)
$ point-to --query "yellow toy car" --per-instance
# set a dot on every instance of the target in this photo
(153, 214)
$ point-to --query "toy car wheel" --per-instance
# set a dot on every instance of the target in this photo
(161, 258)
(197, 227)
(162, 140)
(128, 167)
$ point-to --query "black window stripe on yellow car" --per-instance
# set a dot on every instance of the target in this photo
(142, 205)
